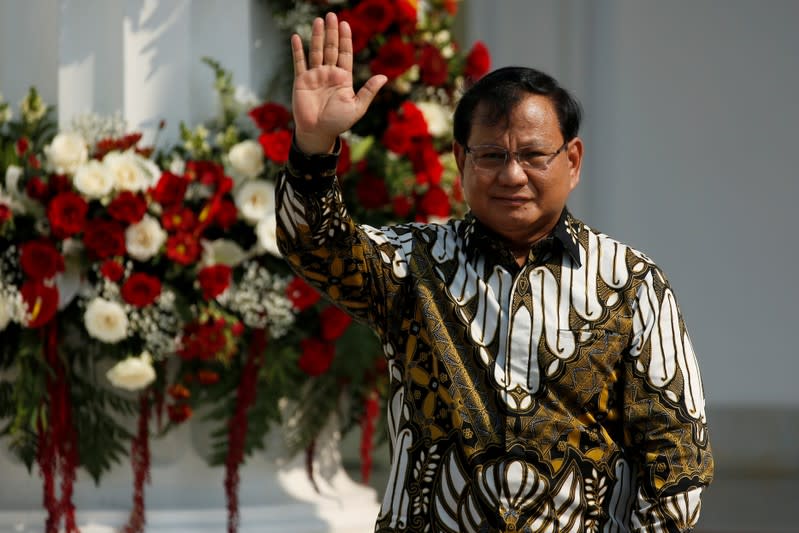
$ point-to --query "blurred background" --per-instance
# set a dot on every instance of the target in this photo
(690, 129)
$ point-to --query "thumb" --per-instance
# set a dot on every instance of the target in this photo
(368, 92)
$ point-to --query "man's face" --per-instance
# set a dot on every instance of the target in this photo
(520, 203)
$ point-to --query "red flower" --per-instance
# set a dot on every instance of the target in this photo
(478, 61)
(128, 207)
(276, 145)
(226, 215)
(67, 214)
(433, 67)
(178, 413)
(104, 238)
(112, 270)
(401, 205)
(179, 392)
(206, 172)
(404, 128)
(59, 183)
(178, 218)
(5, 213)
(375, 14)
(41, 302)
(361, 32)
(214, 280)
(22, 146)
(372, 192)
(37, 189)
(333, 322)
(393, 58)
(170, 189)
(426, 163)
(40, 260)
(317, 356)
(140, 289)
(301, 294)
(183, 248)
(397, 137)
(34, 162)
(270, 117)
(406, 16)
(435, 202)
(203, 340)
(451, 6)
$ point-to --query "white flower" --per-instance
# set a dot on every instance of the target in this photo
(5, 311)
(93, 179)
(222, 251)
(13, 173)
(106, 320)
(247, 158)
(439, 120)
(255, 199)
(130, 171)
(132, 373)
(266, 230)
(66, 153)
(177, 165)
(245, 96)
(144, 238)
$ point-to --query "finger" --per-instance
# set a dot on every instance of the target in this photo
(317, 41)
(369, 90)
(298, 54)
(331, 39)
(345, 46)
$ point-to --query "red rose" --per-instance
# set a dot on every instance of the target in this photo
(41, 302)
(67, 214)
(317, 356)
(344, 160)
(435, 202)
(178, 218)
(226, 215)
(372, 192)
(203, 340)
(40, 260)
(276, 145)
(426, 163)
(397, 137)
(22, 146)
(270, 117)
(37, 189)
(112, 270)
(406, 16)
(170, 189)
(140, 289)
(433, 67)
(361, 32)
(104, 238)
(375, 14)
(414, 118)
(183, 248)
(478, 61)
(206, 172)
(214, 280)
(128, 207)
(301, 294)
(333, 322)
(393, 58)
(401, 205)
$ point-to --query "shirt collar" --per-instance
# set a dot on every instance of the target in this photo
(563, 237)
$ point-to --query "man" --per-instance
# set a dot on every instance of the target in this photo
(542, 379)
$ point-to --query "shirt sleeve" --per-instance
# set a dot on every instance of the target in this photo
(320, 241)
(664, 412)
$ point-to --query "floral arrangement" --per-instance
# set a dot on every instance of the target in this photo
(142, 287)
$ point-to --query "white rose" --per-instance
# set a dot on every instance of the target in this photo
(266, 230)
(247, 158)
(132, 373)
(5, 311)
(255, 199)
(106, 320)
(438, 118)
(66, 153)
(93, 179)
(130, 171)
(145, 238)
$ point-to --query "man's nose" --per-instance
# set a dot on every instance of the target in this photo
(512, 173)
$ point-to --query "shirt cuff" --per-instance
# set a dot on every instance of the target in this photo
(312, 172)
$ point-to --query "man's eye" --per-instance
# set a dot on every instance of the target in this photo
(532, 158)
(492, 156)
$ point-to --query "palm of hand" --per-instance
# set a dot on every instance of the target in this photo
(324, 100)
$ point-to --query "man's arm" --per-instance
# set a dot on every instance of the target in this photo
(664, 412)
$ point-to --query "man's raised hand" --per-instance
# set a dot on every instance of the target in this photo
(324, 101)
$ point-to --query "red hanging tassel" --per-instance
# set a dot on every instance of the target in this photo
(237, 425)
(368, 422)
(140, 460)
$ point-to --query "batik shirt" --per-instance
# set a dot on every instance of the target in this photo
(562, 395)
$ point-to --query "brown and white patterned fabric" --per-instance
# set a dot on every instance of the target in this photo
(560, 396)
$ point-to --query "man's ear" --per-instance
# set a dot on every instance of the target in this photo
(460, 156)
(574, 153)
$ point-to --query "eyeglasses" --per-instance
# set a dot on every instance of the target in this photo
(494, 158)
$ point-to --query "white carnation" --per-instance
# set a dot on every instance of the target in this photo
(66, 153)
(93, 179)
(144, 238)
(130, 171)
(438, 118)
(255, 199)
(106, 320)
(266, 230)
(247, 158)
(132, 373)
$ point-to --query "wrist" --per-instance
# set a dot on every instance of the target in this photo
(310, 144)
